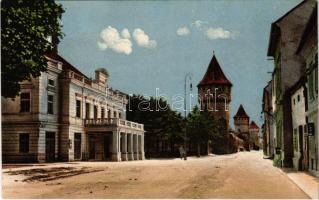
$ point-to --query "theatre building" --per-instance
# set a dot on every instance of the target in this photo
(63, 115)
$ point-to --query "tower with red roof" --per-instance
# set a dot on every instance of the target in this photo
(214, 92)
(241, 120)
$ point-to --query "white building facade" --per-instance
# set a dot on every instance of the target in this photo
(65, 116)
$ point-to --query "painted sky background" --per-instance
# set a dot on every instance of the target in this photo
(238, 32)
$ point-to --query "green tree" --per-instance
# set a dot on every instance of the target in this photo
(202, 129)
(25, 27)
(161, 125)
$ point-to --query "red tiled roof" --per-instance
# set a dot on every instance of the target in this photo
(65, 64)
(214, 74)
(241, 112)
(253, 125)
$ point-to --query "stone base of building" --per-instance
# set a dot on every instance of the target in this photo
(116, 157)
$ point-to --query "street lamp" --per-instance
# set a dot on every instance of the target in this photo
(188, 76)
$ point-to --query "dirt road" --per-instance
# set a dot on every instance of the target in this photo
(241, 175)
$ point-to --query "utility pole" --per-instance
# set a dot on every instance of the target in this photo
(187, 76)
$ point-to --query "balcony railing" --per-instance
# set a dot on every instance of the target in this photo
(113, 122)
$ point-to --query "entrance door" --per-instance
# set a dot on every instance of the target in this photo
(49, 146)
(305, 152)
(91, 147)
(107, 143)
(77, 146)
(300, 163)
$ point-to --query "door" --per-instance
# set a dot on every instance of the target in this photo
(300, 162)
(91, 147)
(107, 143)
(49, 146)
(77, 146)
(305, 150)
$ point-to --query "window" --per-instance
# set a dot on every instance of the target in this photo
(87, 110)
(109, 113)
(102, 113)
(120, 115)
(78, 108)
(25, 102)
(311, 85)
(114, 114)
(298, 97)
(50, 82)
(50, 104)
(95, 112)
(24, 143)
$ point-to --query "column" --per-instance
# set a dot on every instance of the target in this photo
(135, 146)
(142, 147)
(116, 156)
(124, 146)
(130, 154)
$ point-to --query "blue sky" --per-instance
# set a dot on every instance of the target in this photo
(164, 40)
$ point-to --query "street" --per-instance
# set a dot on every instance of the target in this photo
(241, 175)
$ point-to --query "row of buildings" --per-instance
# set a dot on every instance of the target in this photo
(290, 99)
(63, 115)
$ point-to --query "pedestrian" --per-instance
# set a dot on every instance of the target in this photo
(181, 151)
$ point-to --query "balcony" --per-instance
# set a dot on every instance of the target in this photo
(113, 122)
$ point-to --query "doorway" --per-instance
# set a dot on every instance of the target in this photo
(300, 163)
(50, 146)
(107, 146)
(77, 146)
(91, 146)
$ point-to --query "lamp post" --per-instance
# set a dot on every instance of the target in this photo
(189, 77)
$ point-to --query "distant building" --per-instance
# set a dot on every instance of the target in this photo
(308, 51)
(241, 121)
(285, 36)
(254, 141)
(215, 96)
(63, 115)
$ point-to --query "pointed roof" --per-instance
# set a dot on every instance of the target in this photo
(214, 74)
(241, 112)
(253, 125)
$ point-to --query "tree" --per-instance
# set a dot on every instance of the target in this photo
(25, 28)
(163, 126)
(202, 128)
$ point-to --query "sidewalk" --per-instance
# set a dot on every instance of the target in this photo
(308, 183)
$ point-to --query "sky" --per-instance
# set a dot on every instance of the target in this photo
(146, 45)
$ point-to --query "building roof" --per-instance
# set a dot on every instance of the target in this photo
(214, 74)
(241, 112)
(311, 26)
(253, 125)
(275, 31)
(65, 64)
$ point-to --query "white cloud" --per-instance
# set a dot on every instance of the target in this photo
(111, 39)
(183, 31)
(217, 33)
(198, 24)
(125, 33)
(142, 39)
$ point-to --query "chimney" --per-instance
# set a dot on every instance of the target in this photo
(101, 76)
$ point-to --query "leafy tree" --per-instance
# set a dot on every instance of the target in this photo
(201, 128)
(161, 125)
(25, 27)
